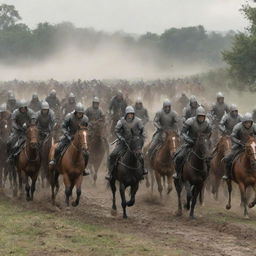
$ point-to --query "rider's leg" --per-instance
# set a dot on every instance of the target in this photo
(178, 161)
(112, 160)
(64, 141)
(154, 143)
(228, 163)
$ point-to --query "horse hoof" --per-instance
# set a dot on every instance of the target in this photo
(192, 217)
(246, 217)
(250, 205)
(125, 217)
(74, 204)
(228, 207)
(28, 199)
(113, 212)
(169, 191)
(178, 214)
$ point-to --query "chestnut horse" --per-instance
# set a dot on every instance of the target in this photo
(71, 166)
(28, 162)
(162, 161)
(217, 169)
(98, 146)
(194, 174)
(244, 174)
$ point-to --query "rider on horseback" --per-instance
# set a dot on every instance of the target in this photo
(11, 103)
(239, 137)
(140, 111)
(165, 119)
(126, 128)
(70, 105)
(45, 120)
(229, 120)
(95, 113)
(70, 126)
(219, 108)
(21, 118)
(190, 110)
(53, 101)
(192, 128)
(35, 103)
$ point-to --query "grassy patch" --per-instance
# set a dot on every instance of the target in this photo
(24, 232)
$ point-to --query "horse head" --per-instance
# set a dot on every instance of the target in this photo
(224, 145)
(172, 140)
(202, 145)
(250, 150)
(135, 145)
(32, 135)
(80, 139)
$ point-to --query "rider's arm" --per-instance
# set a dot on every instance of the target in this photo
(118, 130)
(184, 131)
(222, 124)
(146, 119)
(65, 124)
(14, 120)
(235, 135)
(157, 121)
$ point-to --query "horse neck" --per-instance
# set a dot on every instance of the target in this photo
(130, 158)
(31, 153)
(165, 151)
(74, 149)
(222, 150)
(197, 157)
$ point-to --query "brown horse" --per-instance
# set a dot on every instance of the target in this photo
(194, 174)
(98, 146)
(244, 174)
(28, 162)
(71, 166)
(162, 161)
(217, 168)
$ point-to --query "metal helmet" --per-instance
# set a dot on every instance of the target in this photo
(53, 92)
(193, 99)
(233, 107)
(9, 93)
(129, 110)
(11, 97)
(167, 103)
(71, 95)
(95, 100)
(79, 108)
(247, 117)
(23, 104)
(45, 105)
(120, 93)
(200, 111)
(219, 95)
(34, 96)
(138, 100)
(2, 108)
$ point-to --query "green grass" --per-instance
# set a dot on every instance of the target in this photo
(24, 232)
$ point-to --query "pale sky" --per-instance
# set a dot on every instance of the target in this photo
(134, 16)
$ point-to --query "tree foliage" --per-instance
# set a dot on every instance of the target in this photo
(242, 57)
(192, 45)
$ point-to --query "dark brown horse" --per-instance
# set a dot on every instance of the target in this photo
(98, 146)
(217, 169)
(128, 172)
(194, 174)
(162, 161)
(71, 166)
(244, 174)
(28, 162)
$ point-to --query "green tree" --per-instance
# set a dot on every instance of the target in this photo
(242, 57)
(8, 16)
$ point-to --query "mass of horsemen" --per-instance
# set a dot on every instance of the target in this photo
(196, 146)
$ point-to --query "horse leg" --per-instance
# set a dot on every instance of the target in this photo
(169, 182)
(243, 198)
(159, 183)
(78, 191)
(188, 188)
(122, 193)
(147, 181)
(27, 187)
(113, 189)
(68, 190)
(152, 181)
(20, 184)
(254, 200)
(178, 186)
(195, 192)
(1, 177)
(134, 190)
(217, 186)
(33, 185)
(229, 184)
(14, 178)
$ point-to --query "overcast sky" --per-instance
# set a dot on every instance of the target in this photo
(134, 16)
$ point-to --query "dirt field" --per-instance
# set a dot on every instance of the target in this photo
(38, 228)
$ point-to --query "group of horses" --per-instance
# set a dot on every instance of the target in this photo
(203, 167)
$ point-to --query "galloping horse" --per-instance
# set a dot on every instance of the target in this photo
(128, 172)
(162, 161)
(45, 150)
(194, 174)
(98, 146)
(28, 162)
(217, 168)
(5, 129)
(244, 174)
(71, 166)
